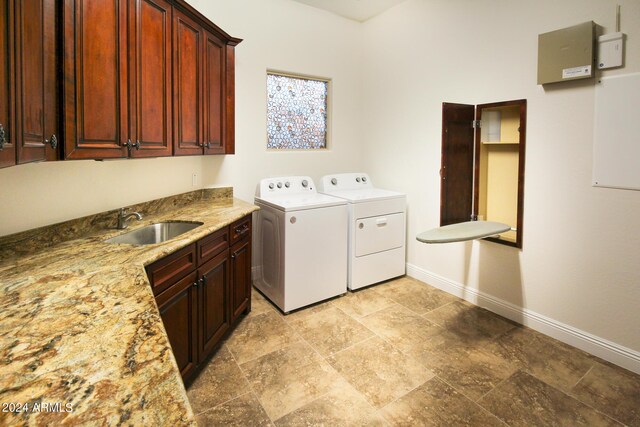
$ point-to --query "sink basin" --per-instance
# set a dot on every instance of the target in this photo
(154, 233)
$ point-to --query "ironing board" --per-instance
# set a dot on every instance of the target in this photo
(462, 231)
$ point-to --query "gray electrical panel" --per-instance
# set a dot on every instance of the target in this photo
(566, 54)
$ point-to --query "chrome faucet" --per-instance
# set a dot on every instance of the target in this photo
(123, 217)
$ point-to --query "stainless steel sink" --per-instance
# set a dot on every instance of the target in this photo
(154, 233)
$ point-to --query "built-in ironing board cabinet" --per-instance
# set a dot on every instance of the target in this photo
(482, 172)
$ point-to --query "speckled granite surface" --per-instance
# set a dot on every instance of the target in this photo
(81, 339)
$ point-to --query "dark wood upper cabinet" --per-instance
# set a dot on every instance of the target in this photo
(97, 79)
(151, 77)
(36, 79)
(96, 98)
(28, 82)
(214, 94)
(229, 131)
(7, 88)
(188, 43)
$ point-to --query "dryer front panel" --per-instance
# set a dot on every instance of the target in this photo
(378, 233)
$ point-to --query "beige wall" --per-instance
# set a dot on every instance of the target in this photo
(579, 263)
(279, 34)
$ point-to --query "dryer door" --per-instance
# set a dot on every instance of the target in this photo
(378, 234)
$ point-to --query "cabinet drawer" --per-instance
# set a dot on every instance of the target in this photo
(166, 271)
(240, 229)
(212, 245)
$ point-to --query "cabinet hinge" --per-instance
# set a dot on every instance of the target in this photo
(476, 124)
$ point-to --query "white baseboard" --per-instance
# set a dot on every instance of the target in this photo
(607, 350)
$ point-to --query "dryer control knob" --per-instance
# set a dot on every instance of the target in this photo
(358, 179)
(271, 186)
(279, 185)
(305, 183)
(364, 179)
(287, 184)
(334, 181)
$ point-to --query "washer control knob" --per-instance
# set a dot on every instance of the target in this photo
(334, 181)
(271, 186)
(364, 179)
(287, 184)
(305, 183)
(358, 179)
(279, 185)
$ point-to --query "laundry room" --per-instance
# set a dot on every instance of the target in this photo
(264, 241)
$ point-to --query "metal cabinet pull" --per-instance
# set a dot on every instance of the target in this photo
(242, 230)
(53, 141)
(137, 144)
(128, 144)
(208, 145)
(3, 137)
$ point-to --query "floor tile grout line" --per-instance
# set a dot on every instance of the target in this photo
(408, 392)
(582, 377)
(475, 402)
(251, 390)
(569, 396)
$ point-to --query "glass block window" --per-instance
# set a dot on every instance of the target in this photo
(296, 112)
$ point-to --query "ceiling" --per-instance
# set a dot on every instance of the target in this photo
(358, 10)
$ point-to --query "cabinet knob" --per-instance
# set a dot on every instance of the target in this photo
(3, 137)
(208, 145)
(53, 141)
(128, 144)
(137, 144)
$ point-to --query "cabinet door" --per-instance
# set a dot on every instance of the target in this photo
(214, 307)
(151, 72)
(7, 147)
(214, 100)
(230, 95)
(36, 109)
(179, 312)
(240, 278)
(456, 173)
(188, 41)
(96, 100)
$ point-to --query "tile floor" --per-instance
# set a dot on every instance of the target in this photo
(405, 353)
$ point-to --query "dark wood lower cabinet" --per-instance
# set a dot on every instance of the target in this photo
(240, 278)
(178, 308)
(201, 304)
(214, 310)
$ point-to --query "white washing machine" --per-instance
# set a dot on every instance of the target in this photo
(300, 244)
(377, 228)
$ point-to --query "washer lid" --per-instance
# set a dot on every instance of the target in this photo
(298, 202)
(366, 194)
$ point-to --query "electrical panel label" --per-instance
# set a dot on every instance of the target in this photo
(584, 71)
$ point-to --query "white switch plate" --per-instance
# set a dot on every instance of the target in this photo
(610, 50)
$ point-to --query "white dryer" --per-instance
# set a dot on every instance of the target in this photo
(300, 244)
(377, 228)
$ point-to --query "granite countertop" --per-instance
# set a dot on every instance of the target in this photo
(81, 338)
